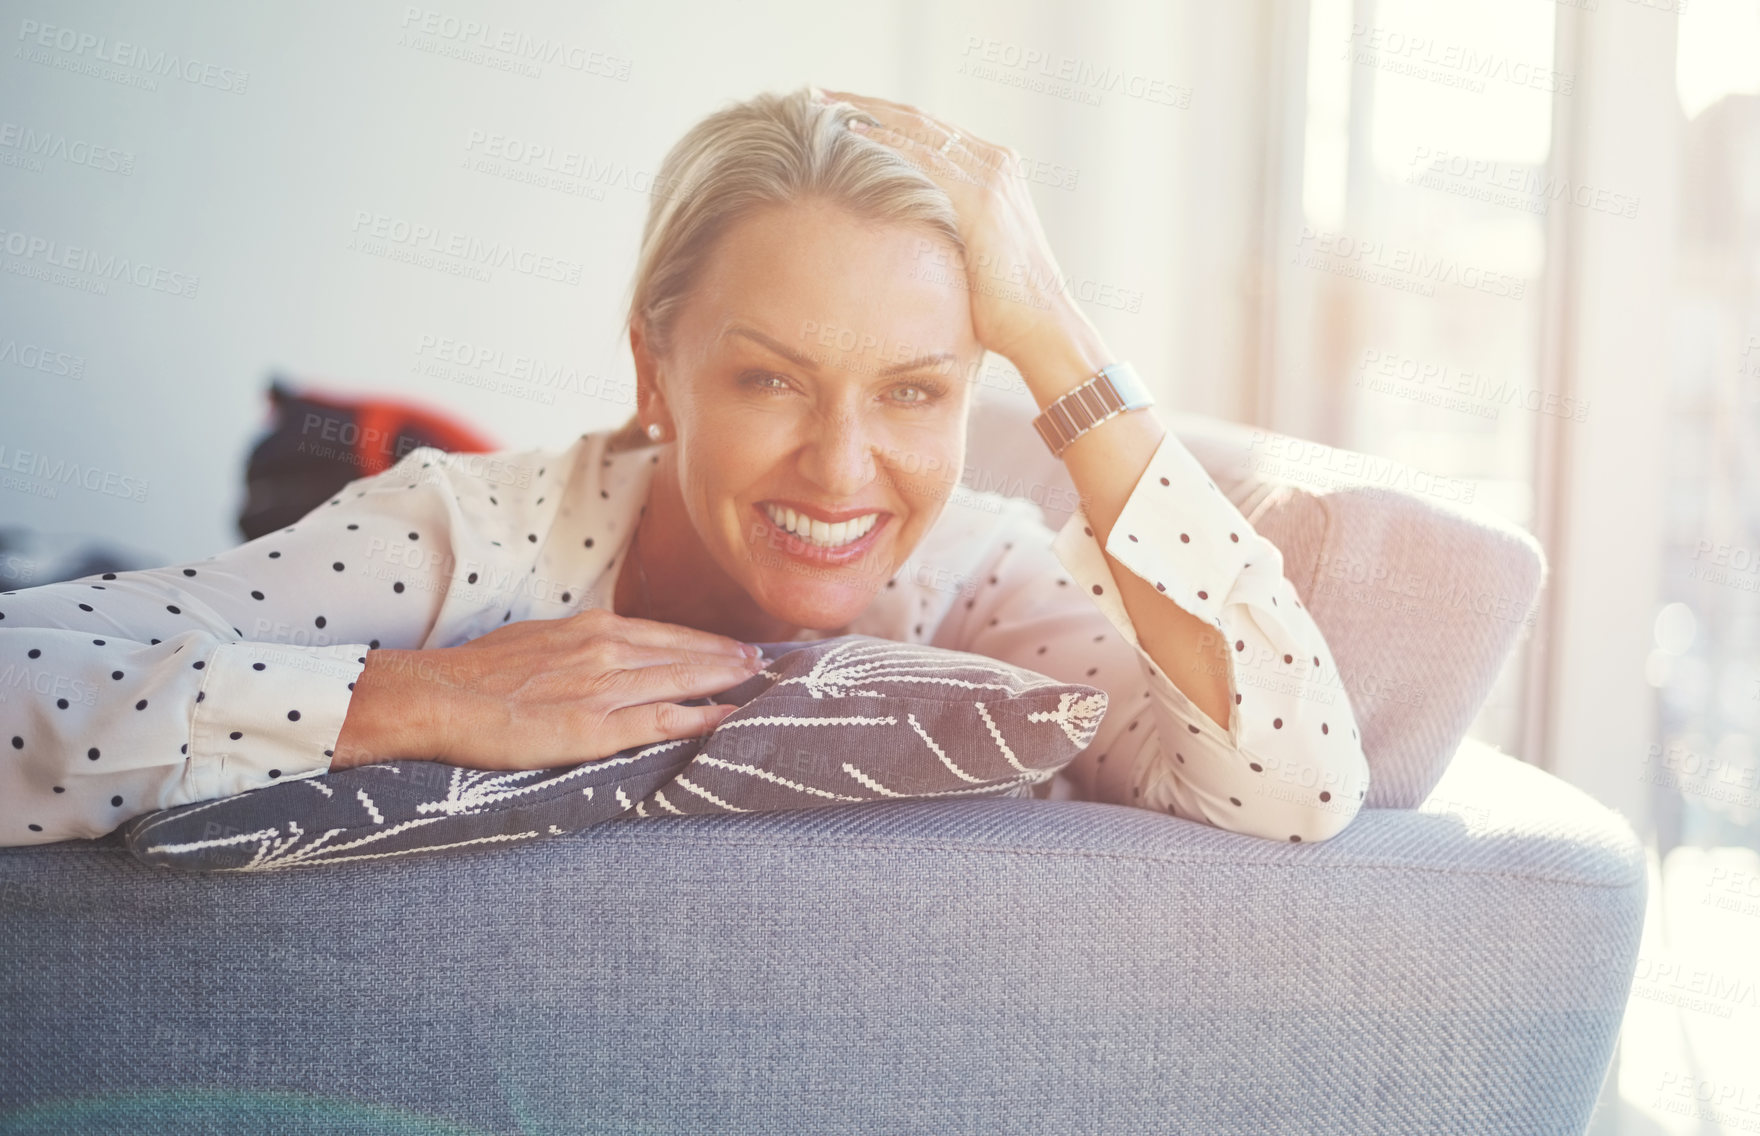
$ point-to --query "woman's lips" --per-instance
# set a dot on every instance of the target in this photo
(786, 542)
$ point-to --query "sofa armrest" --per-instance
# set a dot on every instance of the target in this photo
(977, 965)
(1422, 596)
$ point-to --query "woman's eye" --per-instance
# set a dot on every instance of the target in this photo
(764, 380)
(927, 393)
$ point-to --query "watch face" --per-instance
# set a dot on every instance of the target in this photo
(1128, 385)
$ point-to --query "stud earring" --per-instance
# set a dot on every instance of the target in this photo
(654, 431)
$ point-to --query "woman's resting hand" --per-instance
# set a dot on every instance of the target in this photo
(541, 693)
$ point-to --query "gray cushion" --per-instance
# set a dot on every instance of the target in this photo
(843, 720)
(1024, 967)
(1421, 596)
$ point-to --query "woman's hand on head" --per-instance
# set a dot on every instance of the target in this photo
(542, 693)
(1021, 302)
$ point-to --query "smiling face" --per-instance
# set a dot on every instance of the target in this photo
(813, 375)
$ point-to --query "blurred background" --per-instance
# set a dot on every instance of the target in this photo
(1513, 244)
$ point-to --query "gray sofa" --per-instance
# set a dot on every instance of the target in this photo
(1457, 961)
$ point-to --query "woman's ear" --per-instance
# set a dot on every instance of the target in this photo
(650, 399)
(641, 352)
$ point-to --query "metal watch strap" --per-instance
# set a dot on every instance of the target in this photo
(1116, 389)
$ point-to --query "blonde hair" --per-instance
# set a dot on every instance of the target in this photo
(768, 150)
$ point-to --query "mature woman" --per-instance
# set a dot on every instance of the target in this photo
(816, 289)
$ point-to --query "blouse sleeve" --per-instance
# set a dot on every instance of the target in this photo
(134, 691)
(1288, 765)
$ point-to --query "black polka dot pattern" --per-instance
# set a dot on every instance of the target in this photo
(277, 627)
(1232, 770)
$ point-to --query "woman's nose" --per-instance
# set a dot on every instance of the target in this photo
(840, 455)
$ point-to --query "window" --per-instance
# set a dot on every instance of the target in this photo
(1414, 311)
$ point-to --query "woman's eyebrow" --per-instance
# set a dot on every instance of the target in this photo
(808, 363)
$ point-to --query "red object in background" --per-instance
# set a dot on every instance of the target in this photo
(319, 441)
(385, 428)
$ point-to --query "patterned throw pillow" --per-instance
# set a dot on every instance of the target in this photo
(830, 722)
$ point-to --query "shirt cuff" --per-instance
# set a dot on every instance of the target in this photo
(268, 712)
(1178, 532)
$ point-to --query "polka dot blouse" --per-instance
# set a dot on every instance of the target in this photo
(128, 692)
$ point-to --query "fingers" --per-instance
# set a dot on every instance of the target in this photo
(935, 162)
(907, 121)
(941, 128)
(665, 721)
(653, 694)
(676, 680)
(935, 147)
(621, 654)
(886, 108)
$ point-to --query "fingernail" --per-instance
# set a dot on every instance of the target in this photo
(859, 124)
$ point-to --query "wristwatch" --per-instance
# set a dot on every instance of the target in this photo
(1116, 389)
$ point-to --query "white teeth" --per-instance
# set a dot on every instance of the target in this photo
(818, 532)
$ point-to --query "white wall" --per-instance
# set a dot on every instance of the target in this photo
(255, 194)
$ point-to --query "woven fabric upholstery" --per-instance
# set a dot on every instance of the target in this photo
(962, 966)
(1422, 600)
(972, 966)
